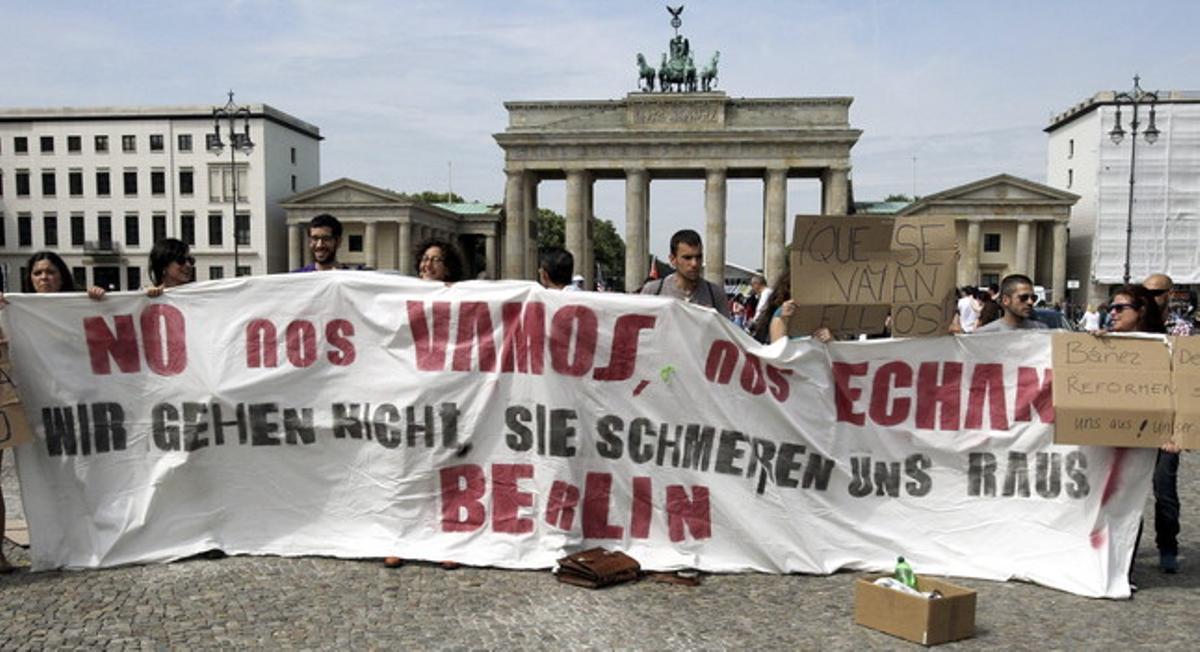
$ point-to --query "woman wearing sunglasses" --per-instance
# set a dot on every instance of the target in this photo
(171, 265)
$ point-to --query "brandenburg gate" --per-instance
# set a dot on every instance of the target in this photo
(669, 135)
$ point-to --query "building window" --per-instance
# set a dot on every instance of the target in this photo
(1, 183)
(156, 142)
(990, 279)
(356, 243)
(128, 143)
(24, 230)
(216, 272)
(242, 270)
(101, 144)
(132, 230)
(1070, 177)
(22, 183)
(133, 278)
(75, 182)
(49, 185)
(3, 235)
(214, 229)
(158, 183)
(220, 183)
(158, 227)
(293, 156)
(103, 184)
(242, 229)
(74, 144)
(20, 145)
(50, 230)
(187, 229)
(187, 184)
(185, 142)
(77, 235)
(130, 183)
(293, 183)
(104, 230)
(991, 242)
(47, 144)
(79, 274)
(1071, 148)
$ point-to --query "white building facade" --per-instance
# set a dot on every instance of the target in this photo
(1082, 159)
(99, 186)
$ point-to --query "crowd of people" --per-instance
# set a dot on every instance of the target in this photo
(764, 312)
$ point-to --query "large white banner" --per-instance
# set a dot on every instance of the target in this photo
(355, 414)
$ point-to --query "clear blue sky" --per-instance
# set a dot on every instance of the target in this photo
(399, 89)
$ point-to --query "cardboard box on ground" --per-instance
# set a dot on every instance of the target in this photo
(14, 429)
(915, 618)
(849, 273)
(1133, 392)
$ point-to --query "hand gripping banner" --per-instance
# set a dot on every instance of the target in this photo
(355, 414)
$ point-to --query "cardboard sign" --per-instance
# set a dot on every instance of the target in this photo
(850, 273)
(1185, 367)
(1112, 391)
(14, 429)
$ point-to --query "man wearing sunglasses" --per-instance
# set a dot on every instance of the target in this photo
(1166, 467)
(1016, 304)
(1159, 286)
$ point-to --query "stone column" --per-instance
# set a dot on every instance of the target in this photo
(1031, 261)
(1058, 274)
(370, 236)
(970, 259)
(514, 235)
(573, 236)
(529, 225)
(835, 191)
(404, 247)
(489, 254)
(589, 235)
(637, 249)
(1021, 253)
(295, 246)
(714, 226)
(775, 224)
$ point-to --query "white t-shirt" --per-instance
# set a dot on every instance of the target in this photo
(968, 314)
(1090, 321)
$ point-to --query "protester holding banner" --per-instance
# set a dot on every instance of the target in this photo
(171, 265)
(439, 261)
(46, 273)
(554, 269)
(686, 283)
(324, 238)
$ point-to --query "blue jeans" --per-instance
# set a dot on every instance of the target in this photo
(1166, 502)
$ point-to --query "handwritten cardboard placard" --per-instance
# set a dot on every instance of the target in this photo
(850, 273)
(1185, 368)
(1112, 391)
(14, 429)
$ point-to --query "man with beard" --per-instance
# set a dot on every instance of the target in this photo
(1016, 303)
(324, 238)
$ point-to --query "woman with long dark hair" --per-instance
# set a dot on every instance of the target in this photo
(45, 273)
(171, 265)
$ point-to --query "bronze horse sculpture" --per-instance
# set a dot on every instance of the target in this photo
(708, 76)
(645, 74)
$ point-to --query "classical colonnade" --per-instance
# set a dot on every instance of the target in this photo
(644, 137)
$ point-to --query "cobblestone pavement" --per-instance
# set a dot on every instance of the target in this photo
(272, 602)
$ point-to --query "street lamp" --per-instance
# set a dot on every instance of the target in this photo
(237, 142)
(1136, 98)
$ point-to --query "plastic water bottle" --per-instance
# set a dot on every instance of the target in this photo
(904, 573)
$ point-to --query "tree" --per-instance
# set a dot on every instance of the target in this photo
(607, 244)
(899, 197)
(431, 197)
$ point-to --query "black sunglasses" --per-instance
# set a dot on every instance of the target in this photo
(186, 260)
